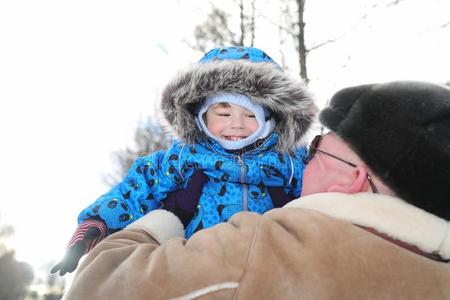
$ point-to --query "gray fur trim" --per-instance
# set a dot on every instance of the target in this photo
(289, 101)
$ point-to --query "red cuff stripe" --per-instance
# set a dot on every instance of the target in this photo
(81, 230)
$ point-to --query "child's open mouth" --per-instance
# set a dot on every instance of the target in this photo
(233, 137)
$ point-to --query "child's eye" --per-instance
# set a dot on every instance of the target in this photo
(223, 114)
(250, 116)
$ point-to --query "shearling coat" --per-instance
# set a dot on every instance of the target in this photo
(310, 250)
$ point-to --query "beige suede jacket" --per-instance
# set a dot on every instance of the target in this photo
(309, 250)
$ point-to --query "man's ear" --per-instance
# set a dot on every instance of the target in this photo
(355, 184)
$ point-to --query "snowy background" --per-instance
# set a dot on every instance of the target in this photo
(78, 77)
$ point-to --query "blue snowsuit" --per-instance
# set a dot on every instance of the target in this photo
(237, 182)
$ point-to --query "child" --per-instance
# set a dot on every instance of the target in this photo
(239, 119)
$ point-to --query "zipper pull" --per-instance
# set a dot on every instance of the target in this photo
(240, 161)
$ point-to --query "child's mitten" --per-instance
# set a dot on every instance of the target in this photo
(88, 234)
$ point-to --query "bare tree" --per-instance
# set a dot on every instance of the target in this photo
(218, 30)
(242, 22)
(301, 48)
(247, 22)
(215, 29)
(251, 23)
(295, 27)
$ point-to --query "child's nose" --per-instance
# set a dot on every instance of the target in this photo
(237, 122)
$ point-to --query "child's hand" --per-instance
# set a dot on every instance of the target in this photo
(74, 253)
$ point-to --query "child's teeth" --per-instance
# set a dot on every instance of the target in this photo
(234, 138)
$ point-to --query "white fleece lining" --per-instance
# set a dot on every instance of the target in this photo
(161, 224)
(391, 216)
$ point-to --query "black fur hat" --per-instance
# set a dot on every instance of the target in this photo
(401, 130)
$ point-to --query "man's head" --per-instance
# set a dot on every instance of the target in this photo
(234, 120)
(399, 132)
(338, 168)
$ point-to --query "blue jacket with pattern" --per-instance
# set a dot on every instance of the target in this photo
(237, 182)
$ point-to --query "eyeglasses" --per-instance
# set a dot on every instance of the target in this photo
(314, 148)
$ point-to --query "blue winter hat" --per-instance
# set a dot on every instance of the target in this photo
(234, 53)
(265, 121)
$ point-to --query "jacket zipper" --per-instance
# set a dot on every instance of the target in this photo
(244, 185)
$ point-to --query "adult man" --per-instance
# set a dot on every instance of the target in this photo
(376, 223)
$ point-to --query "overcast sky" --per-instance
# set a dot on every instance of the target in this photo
(77, 77)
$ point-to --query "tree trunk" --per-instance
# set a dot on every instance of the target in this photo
(252, 24)
(301, 41)
(242, 16)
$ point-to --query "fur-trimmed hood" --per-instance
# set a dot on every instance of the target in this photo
(289, 101)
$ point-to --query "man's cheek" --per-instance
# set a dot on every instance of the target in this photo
(306, 181)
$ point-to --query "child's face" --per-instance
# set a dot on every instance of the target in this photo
(230, 122)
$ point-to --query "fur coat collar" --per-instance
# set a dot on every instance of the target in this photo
(388, 215)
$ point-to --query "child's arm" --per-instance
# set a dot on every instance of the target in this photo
(147, 183)
(159, 171)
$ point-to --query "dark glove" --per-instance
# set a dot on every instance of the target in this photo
(183, 203)
(74, 253)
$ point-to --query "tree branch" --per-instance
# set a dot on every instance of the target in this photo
(357, 24)
(439, 27)
(277, 25)
(396, 2)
